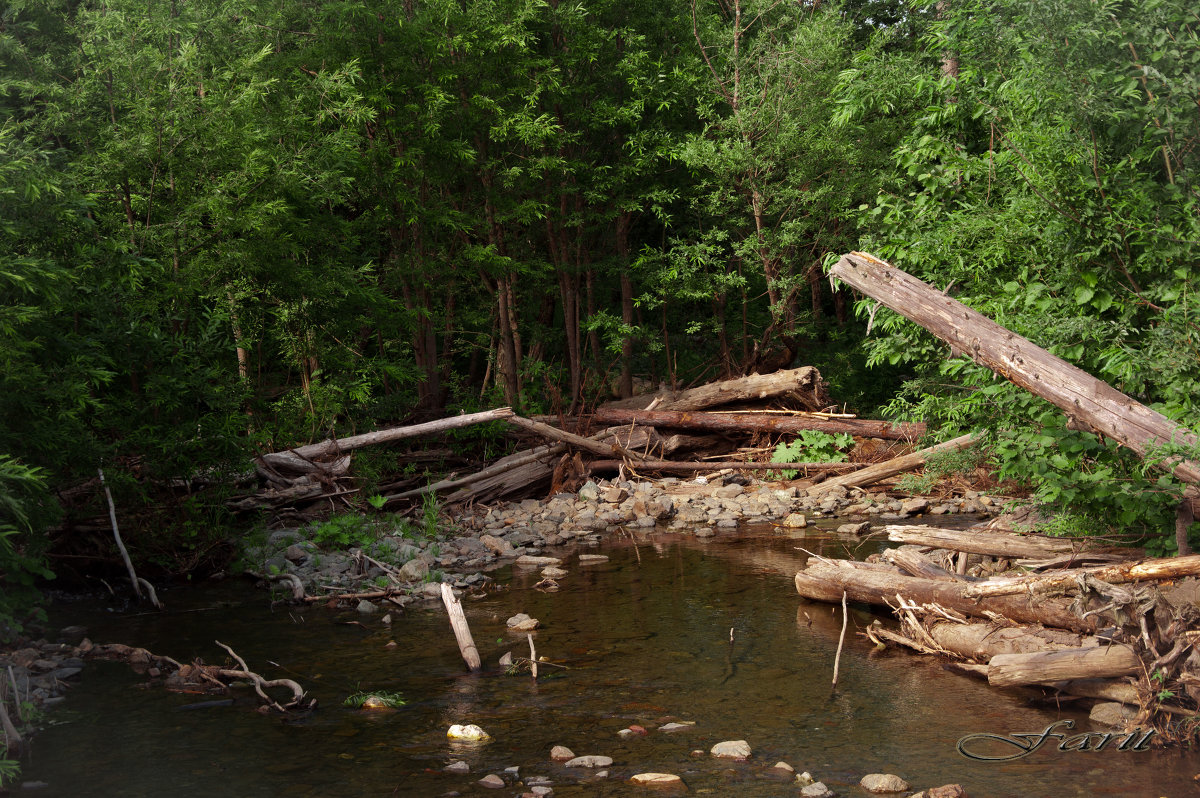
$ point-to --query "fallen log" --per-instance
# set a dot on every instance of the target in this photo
(754, 422)
(802, 386)
(890, 468)
(719, 465)
(983, 641)
(501, 467)
(587, 444)
(1089, 403)
(824, 580)
(1138, 571)
(1098, 662)
(315, 451)
(979, 541)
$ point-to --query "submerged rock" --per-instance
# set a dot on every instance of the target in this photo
(661, 781)
(817, 790)
(469, 733)
(560, 753)
(589, 761)
(491, 781)
(521, 622)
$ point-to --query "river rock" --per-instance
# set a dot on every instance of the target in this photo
(883, 782)
(804, 779)
(491, 781)
(415, 570)
(671, 727)
(366, 607)
(592, 559)
(590, 491)
(860, 528)
(914, 506)
(560, 753)
(296, 553)
(589, 761)
(662, 781)
(795, 521)
(729, 491)
(553, 572)
(817, 790)
(731, 749)
(529, 561)
(521, 622)
(457, 767)
(945, 791)
(784, 766)
(469, 732)
(499, 546)
(540, 791)
(1111, 713)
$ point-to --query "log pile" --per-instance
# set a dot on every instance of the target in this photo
(1075, 630)
(670, 432)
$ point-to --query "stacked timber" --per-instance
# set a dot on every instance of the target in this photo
(1076, 629)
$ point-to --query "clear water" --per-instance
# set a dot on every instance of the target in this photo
(647, 639)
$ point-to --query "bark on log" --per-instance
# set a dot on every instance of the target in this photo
(500, 468)
(315, 451)
(897, 465)
(462, 632)
(863, 428)
(983, 641)
(1171, 568)
(802, 386)
(1086, 400)
(979, 541)
(717, 465)
(824, 580)
(1010, 670)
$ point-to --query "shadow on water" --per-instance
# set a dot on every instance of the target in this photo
(669, 629)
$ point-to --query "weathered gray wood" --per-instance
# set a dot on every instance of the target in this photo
(541, 454)
(1139, 571)
(983, 641)
(315, 451)
(1100, 662)
(890, 468)
(802, 386)
(824, 580)
(462, 632)
(756, 422)
(717, 465)
(1088, 402)
(979, 541)
(595, 447)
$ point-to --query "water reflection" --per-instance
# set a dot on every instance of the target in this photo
(669, 629)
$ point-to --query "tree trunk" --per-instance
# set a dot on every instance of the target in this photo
(803, 387)
(1010, 670)
(328, 447)
(755, 422)
(981, 541)
(890, 468)
(1088, 402)
(626, 385)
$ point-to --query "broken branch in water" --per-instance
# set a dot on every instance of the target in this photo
(260, 684)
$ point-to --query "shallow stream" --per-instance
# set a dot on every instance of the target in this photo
(671, 628)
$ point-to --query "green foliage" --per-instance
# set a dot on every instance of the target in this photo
(377, 698)
(10, 769)
(344, 531)
(26, 507)
(812, 446)
(377, 501)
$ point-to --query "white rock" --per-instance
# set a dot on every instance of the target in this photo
(796, 521)
(804, 779)
(529, 561)
(491, 781)
(469, 732)
(560, 753)
(731, 749)
(817, 790)
(781, 765)
(458, 767)
(670, 727)
(590, 761)
(883, 782)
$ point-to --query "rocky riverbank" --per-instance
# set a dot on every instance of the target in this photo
(391, 553)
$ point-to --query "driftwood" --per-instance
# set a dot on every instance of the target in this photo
(1071, 580)
(917, 564)
(824, 580)
(1089, 403)
(316, 451)
(800, 386)
(462, 632)
(593, 446)
(719, 465)
(1097, 662)
(500, 468)
(979, 541)
(754, 422)
(897, 465)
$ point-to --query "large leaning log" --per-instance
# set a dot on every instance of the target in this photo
(1088, 402)
(890, 468)
(979, 541)
(756, 422)
(824, 580)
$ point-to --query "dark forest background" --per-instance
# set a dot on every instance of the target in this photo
(233, 226)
